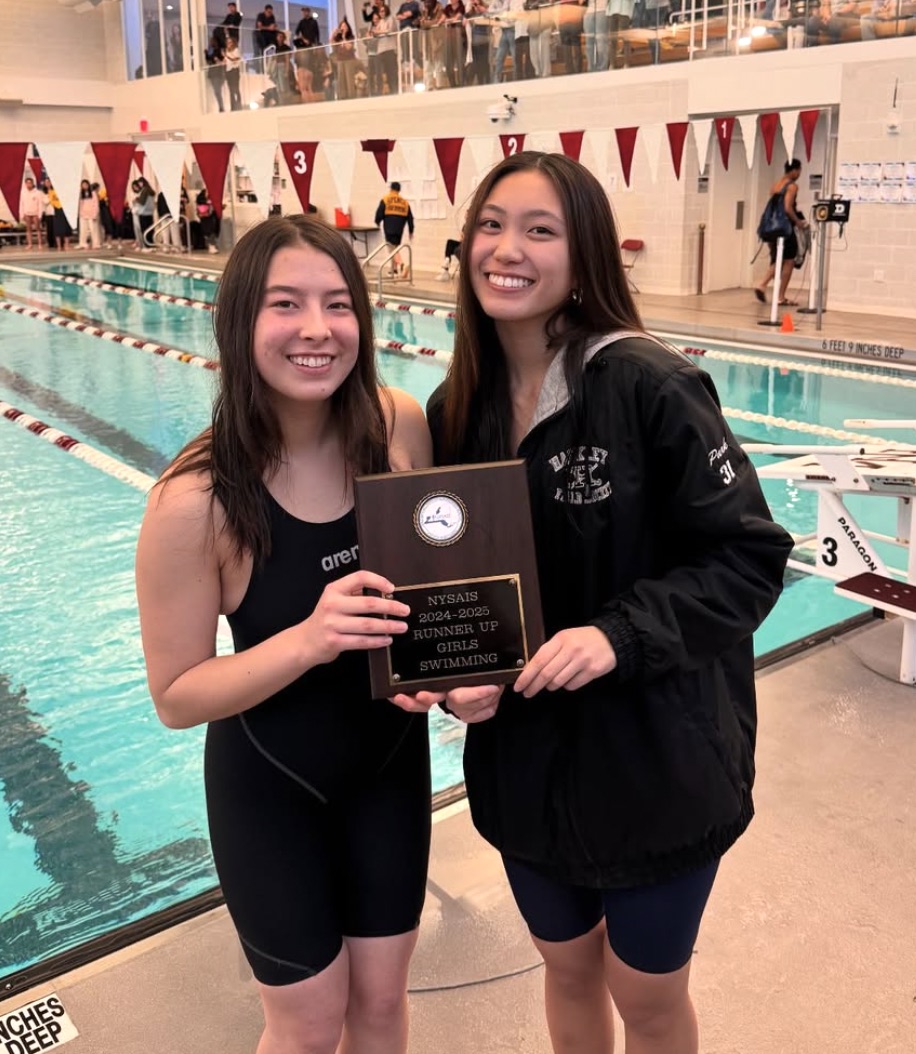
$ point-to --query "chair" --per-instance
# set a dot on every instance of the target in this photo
(630, 249)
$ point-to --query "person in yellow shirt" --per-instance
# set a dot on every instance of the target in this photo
(394, 214)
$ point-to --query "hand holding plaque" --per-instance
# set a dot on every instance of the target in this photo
(459, 546)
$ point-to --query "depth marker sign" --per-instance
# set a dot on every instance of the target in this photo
(37, 1026)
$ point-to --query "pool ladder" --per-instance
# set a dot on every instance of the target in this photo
(405, 276)
(155, 237)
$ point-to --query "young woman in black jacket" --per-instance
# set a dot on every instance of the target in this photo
(618, 769)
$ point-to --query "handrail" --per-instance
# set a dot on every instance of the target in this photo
(387, 260)
(158, 229)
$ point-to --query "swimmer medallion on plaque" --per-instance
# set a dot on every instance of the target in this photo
(459, 547)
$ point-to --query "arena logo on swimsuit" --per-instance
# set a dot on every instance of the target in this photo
(584, 484)
(345, 556)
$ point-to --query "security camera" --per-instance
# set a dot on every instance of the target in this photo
(501, 111)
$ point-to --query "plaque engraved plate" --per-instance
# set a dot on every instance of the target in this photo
(458, 545)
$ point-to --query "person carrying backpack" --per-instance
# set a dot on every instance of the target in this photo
(781, 219)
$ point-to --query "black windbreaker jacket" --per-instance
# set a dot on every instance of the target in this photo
(650, 524)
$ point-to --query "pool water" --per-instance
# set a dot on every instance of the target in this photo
(104, 820)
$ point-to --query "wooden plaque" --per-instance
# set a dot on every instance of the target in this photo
(459, 547)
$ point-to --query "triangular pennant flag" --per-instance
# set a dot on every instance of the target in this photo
(341, 155)
(380, 148)
(448, 153)
(259, 156)
(416, 158)
(626, 144)
(725, 127)
(677, 136)
(808, 119)
(12, 173)
(512, 143)
(114, 161)
(652, 142)
(599, 140)
(37, 167)
(166, 159)
(702, 130)
(64, 165)
(300, 160)
(140, 160)
(482, 149)
(544, 141)
(789, 121)
(213, 162)
(748, 124)
(768, 125)
(571, 144)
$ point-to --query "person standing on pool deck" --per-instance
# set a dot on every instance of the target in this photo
(618, 769)
(394, 214)
(318, 796)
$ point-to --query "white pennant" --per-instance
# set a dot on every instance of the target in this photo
(341, 155)
(64, 165)
(258, 156)
(599, 140)
(702, 130)
(651, 136)
(483, 152)
(166, 159)
(416, 158)
(788, 122)
(748, 122)
(547, 142)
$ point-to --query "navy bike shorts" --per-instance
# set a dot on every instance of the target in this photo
(650, 928)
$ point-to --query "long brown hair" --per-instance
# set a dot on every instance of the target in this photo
(244, 443)
(477, 385)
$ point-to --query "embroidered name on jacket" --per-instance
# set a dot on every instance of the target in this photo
(584, 471)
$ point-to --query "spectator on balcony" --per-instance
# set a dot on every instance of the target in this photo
(385, 32)
(310, 55)
(879, 11)
(216, 64)
(343, 55)
(477, 13)
(619, 17)
(570, 32)
(30, 206)
(232, 22)
(281, 71)
(523, 70)
(370, 8)
(540, 34)
(503, 39)
(265, 30)
(232, 60)
(432, 22)
(455, 45)
(595, 27)
(408, 15)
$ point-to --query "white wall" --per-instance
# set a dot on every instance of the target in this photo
(80, 92)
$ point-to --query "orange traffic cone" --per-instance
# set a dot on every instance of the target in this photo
(788, 326)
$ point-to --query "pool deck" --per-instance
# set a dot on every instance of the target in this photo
(808, 943)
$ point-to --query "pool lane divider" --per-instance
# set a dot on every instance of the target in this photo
(78, 326)
(413, 309)
(412, 350)
(107, 464)
(108, 287)
(135, 265)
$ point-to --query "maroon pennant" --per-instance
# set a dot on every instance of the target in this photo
(725, 126)
(626, 144)
(140, 159)
(512, 144)
(12, 167)
(808, 121)
(571, 142)
(448, 153)
(381, 148)
(769, 122)
(300, 160)
(213, 162)
(114, 160)
(677, 136)
(37, 166)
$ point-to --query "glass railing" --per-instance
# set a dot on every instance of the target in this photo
(553, 39)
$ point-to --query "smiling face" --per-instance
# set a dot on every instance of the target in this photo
(519, 264)
(306, 335)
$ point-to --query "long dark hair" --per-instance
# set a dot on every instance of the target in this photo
(244, 443)
(477, 387)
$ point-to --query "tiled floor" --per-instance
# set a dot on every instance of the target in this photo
(808, 943)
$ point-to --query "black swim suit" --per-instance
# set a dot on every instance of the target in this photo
(319, 798)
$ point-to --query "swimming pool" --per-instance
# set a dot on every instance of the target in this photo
(104, 820)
